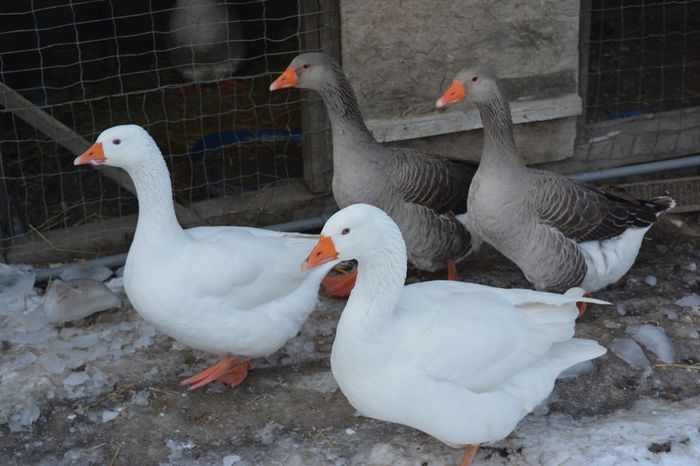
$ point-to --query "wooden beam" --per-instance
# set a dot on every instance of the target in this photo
(399, 129)
(284, 203)
(66, 137)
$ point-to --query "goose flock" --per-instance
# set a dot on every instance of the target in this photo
(461, 362)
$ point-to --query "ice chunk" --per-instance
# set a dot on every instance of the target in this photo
(650, 280)
(74, 271)
(579, 369)
(35, 320)
(621, 309)
(690, 300)
(231, 459)
(76, 299)
(141, 398)
(109, 415)
(84, 341)
(655, 340)
(76, 378)
(671, 314)
(52, 363)
(25, 418)
(629, 351)
(692, 267)
(350, 431)
(16, 283)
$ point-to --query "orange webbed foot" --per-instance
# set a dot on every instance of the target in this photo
(340, 285)
(582, 307)
(231, 370)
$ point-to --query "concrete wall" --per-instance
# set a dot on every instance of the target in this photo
(401, 55)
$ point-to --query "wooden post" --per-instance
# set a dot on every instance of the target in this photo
(320, 31)
(66, 137)
(584, 51)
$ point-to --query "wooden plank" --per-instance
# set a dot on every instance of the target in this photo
(284, 203)
(66, 137)
(320, 31)
(387, 130)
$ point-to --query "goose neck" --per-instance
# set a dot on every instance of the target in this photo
(155, 198)
(343, 110)
(499, 145)
(380, 281)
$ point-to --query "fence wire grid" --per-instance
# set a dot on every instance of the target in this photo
(643, 57)
(92, 64)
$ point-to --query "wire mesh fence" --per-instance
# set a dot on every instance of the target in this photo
(92, 64)
(643, 57)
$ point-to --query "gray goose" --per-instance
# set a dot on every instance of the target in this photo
(423, 194)
(561, 233)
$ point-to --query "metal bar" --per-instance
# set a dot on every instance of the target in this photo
(637, 169)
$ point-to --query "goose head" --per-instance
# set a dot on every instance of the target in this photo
(476, 83)
(307, 71)
(125, 146)
(360, 231)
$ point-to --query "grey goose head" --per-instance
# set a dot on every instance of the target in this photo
(475, 83)
(312, 70)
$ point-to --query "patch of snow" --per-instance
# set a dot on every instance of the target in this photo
(671, 314)
(650, 280)
(140, 398)
(350, 431)
(629, 351)
(231, 459)
(690, 300)
(52, 363)
(266, 435)
(109, 415)
(77, 299)
(655, 340)
(25, 418)
(621, 309)
(692, 267)
(16, 284)
(76, 378)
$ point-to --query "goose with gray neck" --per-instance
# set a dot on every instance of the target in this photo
(561, 233)
(424, 194)
(233, 291)
(461, 362)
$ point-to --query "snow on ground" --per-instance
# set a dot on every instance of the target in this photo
(105, 389)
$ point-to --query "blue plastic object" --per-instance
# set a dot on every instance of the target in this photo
(213, 141)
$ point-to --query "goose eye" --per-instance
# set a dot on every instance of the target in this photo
(116, 142)
(475, 79)
(306, 66)
(345, 231)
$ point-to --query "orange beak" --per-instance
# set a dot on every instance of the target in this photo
(322, 253)
(286, 79)
(94, 154)
(454, 94)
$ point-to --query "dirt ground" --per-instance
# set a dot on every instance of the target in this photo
(133, 411)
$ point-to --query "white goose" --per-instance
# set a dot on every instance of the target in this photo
(227, 290)
(561, 233)
(461, 362)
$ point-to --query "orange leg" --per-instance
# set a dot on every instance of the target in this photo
(231, 370)
(339, 285)
(452, 273)
(469, 452)
(582, 307)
